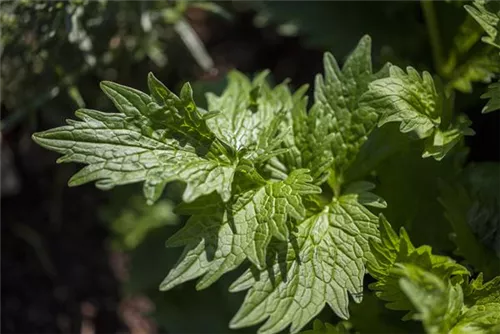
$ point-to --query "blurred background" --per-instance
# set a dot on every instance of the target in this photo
(80, 260)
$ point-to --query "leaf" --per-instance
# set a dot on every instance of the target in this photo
(440, 303)
(480, 67)
(218, 243)
(420, 107)
(467, 63)
(248, 109)
(323, 261)
(140, 144)
(337, 95)
(393, 249)
(478, 293)
(319, 327)
(487, 14)
(437, 302)
(308, 142)
(493, 94)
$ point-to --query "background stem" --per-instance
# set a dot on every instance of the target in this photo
(433, 31)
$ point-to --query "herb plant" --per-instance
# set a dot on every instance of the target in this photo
(288, 190)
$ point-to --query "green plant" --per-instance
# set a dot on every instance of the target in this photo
(287, 191)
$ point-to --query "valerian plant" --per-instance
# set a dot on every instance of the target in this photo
(269, 187)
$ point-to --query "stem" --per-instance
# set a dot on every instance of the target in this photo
(433, 31)
(194, 44)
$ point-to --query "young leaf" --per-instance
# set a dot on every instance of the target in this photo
(476, 292)
(467, 63)
(438, 303)
(393, 249)
(322, 262)
(480, 67)
(420, 107)
(493, 94)
(442, 306)
(308, 142)
(487, 14)
(337, 95)
(247, 109)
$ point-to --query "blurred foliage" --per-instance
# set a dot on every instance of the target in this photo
(54, 53)
(336, 25)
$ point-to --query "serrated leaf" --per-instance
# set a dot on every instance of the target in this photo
(478, 293)
(487, 14)
(483, 302)
(337, 95)
(218, 243)
(438, 303)
(249, 108)
(163, 137)
(308, 142)
(119, 152)
(493, 94)
(420, 107)
(467, 63)
(390, 251)
(322, 263)
(441, 306)
(480, 67)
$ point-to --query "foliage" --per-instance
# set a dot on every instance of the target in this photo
(288, 192)
(52, 51)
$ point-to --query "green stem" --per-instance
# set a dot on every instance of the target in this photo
(433, 30)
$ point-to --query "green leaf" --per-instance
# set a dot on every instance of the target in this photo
(393, 249)
(308, 142)
(322, 262)
(320, 327)
(420, 107)
(249, 108)
(493, 94)
(442, 306)
(438, 303)
(467, 62)
(478, 293)
(337, 95)
(148, 141)
(218, 243)
(480, 67)
(487, 14)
